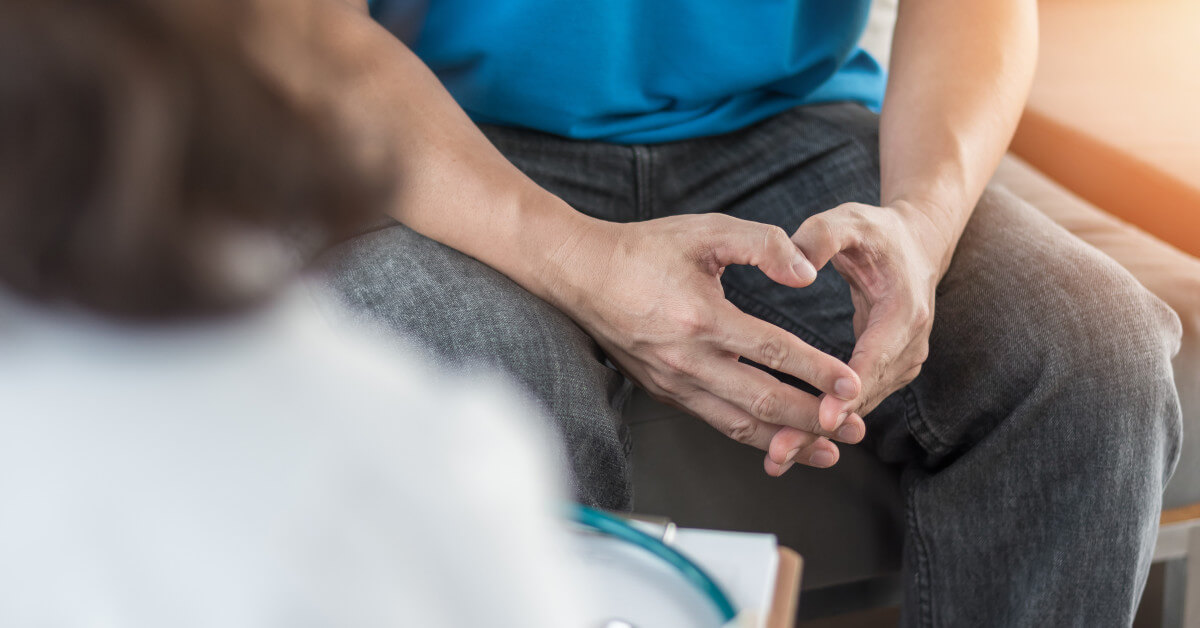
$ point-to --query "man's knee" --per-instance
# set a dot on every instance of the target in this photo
(1028, 316)
(1109, 355)
(462, 313)
(453, 305)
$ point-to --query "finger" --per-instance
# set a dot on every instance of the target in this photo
(766, 247)
(778, 350)
(837, 419)
(820, 454)
(833, 412)
(855, 423)
(877, 352)
(787, 443)
(761, 396)
(769, 400)
(731, 420)
(775, 470)
(824, 235)
(787, 440)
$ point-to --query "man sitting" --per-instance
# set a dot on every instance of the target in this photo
(633, 160)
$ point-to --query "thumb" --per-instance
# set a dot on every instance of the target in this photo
(824, 235)
(766, 247)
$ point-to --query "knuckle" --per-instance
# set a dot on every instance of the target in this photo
(872, 231)
(677, 363)
(912, 374)
(922, 314)
(922, 354)
(885, 357)
(716, 223)
(774, 236)
(741, 430)
(718, 220)
(690, 321)
(774, 353)
(818, 224)
(825, 227)
(667, 384)
(853, 212)
(767, 406)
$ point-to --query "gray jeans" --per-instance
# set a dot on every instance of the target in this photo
(1036, 442)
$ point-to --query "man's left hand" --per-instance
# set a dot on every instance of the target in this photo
(892, 258)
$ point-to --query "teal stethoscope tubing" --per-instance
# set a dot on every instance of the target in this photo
(613, 526)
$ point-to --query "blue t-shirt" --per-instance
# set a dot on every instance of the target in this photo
(640, 71)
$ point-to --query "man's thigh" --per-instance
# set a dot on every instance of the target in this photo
(462, 312)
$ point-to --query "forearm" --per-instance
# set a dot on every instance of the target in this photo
(960, 75)
(452, 185)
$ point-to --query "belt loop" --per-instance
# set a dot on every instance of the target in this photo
(643, 172)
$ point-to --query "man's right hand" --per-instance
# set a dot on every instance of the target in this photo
(650, 294)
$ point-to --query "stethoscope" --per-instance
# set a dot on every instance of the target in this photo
(616, 527)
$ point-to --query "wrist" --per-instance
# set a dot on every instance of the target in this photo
(563, 254)
(936, 229)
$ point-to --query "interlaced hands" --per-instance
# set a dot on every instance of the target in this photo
(656, 306)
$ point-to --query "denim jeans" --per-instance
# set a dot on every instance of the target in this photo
(1036, 441)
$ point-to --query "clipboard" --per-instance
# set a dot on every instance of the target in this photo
(631, 587)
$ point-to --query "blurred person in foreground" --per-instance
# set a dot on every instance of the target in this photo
(591, 182)
(183, 441)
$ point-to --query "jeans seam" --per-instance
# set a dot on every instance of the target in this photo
(922, 576)
(642, 181)
(920, 430)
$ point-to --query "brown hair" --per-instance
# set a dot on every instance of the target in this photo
(150, 169)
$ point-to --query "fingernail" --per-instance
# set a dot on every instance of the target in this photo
(804, 269)
(791, 455)
(841, 418)
(821, 459)
(848, 434)
(845, 388)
